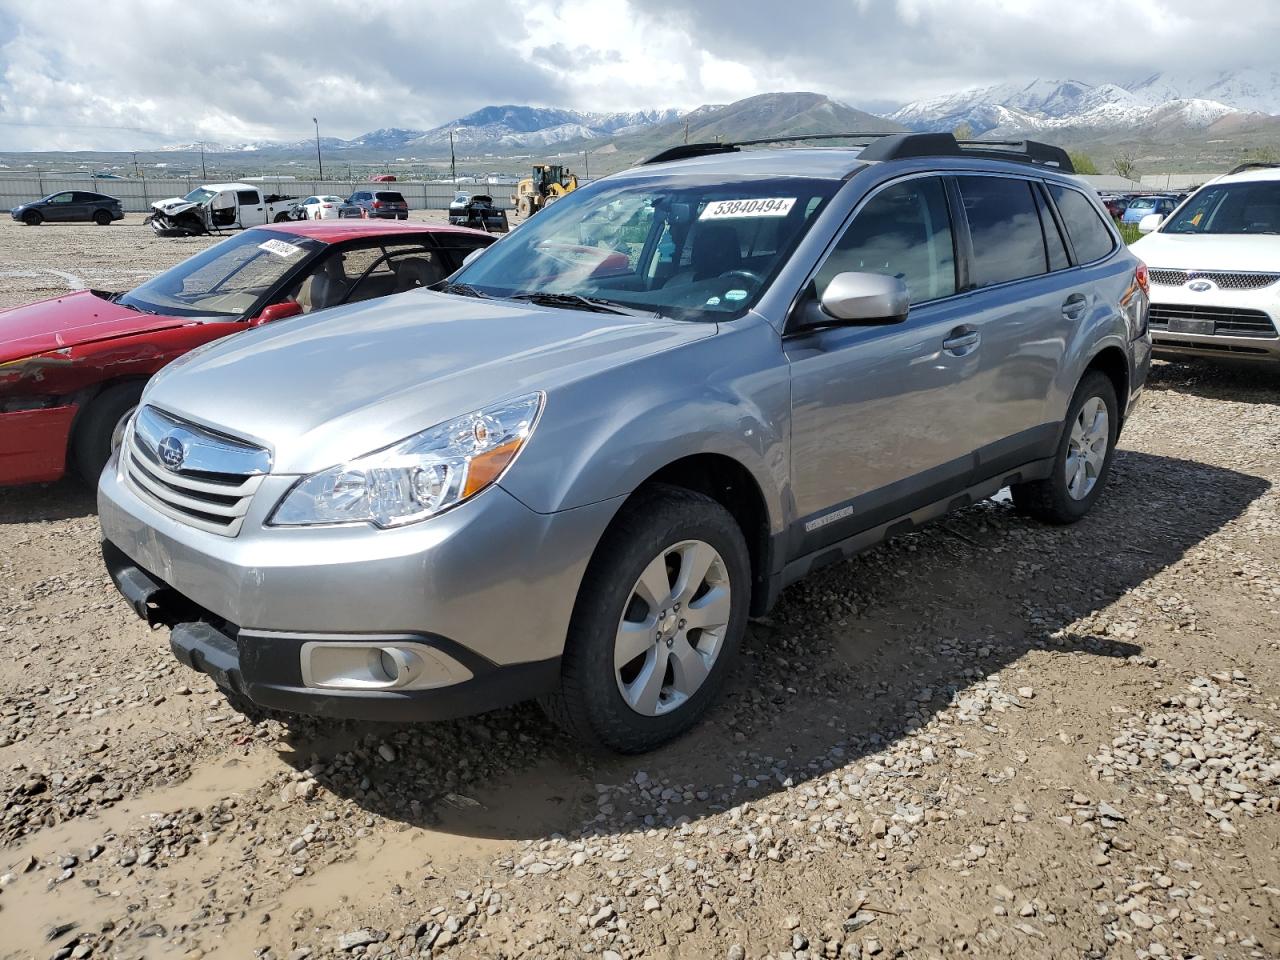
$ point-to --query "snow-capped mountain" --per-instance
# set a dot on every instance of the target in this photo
(1160, 100)
(513, 126)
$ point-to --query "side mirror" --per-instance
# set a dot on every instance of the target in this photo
(277, 311)
(1150, 223)
(866, 298)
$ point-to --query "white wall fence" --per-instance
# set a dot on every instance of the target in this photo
(137, 194)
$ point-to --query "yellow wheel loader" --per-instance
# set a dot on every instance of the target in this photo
(550, 182)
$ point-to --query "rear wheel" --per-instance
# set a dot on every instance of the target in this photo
(1083, 459)
(657, 624)
(32, 218)
(102, 218)
(100, 429)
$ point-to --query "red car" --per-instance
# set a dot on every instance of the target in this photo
(72, 368)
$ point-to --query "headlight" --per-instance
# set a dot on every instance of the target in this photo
(418, 477)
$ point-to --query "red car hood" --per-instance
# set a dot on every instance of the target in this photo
(76, 318)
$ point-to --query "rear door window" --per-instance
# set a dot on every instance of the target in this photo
(248, 198)
(1090, 237)
(1057, 249)
(1005, 228)
(390, 196)
(903, 231)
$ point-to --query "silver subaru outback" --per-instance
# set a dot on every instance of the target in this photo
(575, 469)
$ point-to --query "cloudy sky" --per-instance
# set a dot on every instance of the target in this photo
(135, 73)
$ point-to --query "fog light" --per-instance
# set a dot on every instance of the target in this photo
(364, 665)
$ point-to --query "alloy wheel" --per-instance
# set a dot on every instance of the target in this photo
(673, 627)
(1087, 448)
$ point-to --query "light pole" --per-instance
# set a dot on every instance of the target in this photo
(319, 162)
(203, 174)
(453, 163)
(586, 166)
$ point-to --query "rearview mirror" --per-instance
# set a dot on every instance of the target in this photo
(278, 311)
(1150, 223)
(472, 255)
(866, 298)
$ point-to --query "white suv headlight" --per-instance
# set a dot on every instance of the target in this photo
(418, 477)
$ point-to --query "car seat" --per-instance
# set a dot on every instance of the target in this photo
(414, 272)
(326, 287)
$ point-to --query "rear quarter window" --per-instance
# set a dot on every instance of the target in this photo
(1089, 235)
(1005, 228)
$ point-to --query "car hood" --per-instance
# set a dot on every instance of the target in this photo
(319, 390)
(172, 205)
(77, 318)
(1234, 251)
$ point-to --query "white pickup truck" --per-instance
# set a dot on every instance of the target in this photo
(214, 207)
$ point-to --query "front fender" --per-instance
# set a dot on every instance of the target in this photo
(603, 436)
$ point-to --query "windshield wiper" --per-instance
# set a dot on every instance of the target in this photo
(572, 301)
(462, 289)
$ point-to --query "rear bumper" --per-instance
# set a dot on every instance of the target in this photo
(33, 444)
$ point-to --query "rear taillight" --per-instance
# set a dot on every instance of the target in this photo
(377, 204)
(1140, 275)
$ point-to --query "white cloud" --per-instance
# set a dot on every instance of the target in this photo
(136, 73)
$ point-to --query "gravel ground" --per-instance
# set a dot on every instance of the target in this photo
(989, 738)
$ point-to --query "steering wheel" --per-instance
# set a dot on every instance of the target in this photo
(748, 275)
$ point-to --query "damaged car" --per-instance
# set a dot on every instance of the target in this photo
(214, 207)
(73, 367)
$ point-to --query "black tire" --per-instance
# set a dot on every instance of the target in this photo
(33, 218)
(102, 218)
(404, 217)
(1048, 500)
(588, 703)
(282, 218)
(91, 442)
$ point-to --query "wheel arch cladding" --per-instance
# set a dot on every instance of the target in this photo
(1112, 362)
(729, 483)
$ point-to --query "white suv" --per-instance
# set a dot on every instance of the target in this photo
(1215, 268)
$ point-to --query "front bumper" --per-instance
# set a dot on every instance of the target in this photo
(1165, 345)
(33, 444)
(489, 585)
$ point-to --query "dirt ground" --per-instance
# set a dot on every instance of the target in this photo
(989, 738)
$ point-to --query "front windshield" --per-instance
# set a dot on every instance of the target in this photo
(227, 279)
(1230, 208)
(198, 195)
(684, 246)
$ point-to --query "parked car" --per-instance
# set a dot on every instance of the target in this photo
(384, 204)
(72, 368)
(1115, 204)
(1215, 269)
(1139, 207)
(383, 178)
(214, 207)
(69, 206)
(576, 470)
(326, 208)
(477, 211)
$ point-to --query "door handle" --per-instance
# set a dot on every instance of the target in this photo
(1074, 306)
(961, 341)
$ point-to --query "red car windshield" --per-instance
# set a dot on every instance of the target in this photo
(226, 280)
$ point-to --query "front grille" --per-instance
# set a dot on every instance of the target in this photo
(213, 482)
(1227, 321)
(1223, 279)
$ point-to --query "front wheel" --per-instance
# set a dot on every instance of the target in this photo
(101, 427)
(1083, 459)
(657, 624)
(32, 218)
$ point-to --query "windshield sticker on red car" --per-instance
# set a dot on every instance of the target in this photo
(280, 248)
(749, 207)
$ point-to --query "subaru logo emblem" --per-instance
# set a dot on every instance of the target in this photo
(1199, 286)
(171, 452)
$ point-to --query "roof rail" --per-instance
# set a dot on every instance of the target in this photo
(686, 150)
(895, 146)
(1253, 165)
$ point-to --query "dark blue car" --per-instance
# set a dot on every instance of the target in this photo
(70, 205)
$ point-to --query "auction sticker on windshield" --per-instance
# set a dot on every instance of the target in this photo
(749, 207)
(280, 248)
